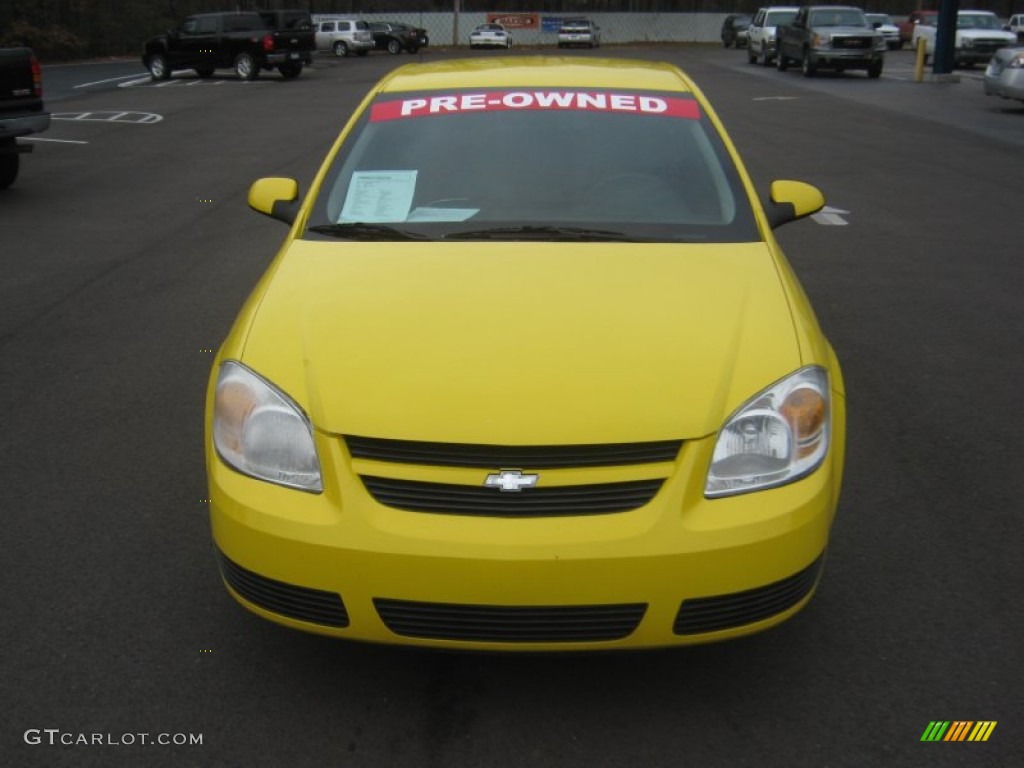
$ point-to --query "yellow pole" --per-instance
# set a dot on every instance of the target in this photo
(922, 46)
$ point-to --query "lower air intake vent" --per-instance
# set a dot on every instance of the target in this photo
(711, 614)
(504, 624)
(313, 605)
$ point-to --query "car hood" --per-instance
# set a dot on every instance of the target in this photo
(522, 343)
(986, 34)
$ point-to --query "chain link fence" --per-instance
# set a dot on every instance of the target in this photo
(69, 29)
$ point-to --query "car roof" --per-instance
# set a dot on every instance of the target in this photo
(538, 71)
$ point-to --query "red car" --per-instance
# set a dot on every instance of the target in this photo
(929, 18)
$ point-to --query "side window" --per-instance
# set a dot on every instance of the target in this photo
(188, 27)
(344, 26)
(206, 26)
(327, 26)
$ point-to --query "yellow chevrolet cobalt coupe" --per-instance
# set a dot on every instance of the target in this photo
(529, 373)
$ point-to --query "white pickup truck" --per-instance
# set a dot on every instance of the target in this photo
(979, 34)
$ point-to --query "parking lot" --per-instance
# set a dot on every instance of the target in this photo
(128, 250)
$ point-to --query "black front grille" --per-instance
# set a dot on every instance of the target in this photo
(525, 457)
(510, 624)
(852, 42)
(313, 605)
(711, 614)
(445, 498)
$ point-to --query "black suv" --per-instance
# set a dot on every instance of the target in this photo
(394, 38)
(734, 30)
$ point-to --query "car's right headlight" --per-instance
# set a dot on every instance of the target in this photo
(778, 436)
(261, 432)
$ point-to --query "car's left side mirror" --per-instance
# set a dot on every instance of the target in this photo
(792, 200)
(275, 197)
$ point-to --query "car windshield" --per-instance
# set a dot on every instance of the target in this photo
(778, 18)
(844, 17)
(646, 166)
(977, 21)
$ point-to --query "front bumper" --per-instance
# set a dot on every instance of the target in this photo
(680, 569)
(1009, 84)
(855, 59)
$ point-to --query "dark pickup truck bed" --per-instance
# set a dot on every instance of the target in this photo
(21, 108)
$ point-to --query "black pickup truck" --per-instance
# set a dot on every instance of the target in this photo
(245, 42)
(21, 108)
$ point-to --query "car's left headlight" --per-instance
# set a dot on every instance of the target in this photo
(776, 437)
(261, 432)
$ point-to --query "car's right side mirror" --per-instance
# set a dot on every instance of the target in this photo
(792, 200)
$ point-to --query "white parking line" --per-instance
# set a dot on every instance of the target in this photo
(108, 80)
(52, 141)
(109, 116)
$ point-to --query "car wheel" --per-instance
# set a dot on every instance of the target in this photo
(158, 67)
(781, 63)
(204, 72)
(394, 47)
(875, 70)
(291, 70)
(9, 163)
(340, 49)
(808, 67)
(245, 66)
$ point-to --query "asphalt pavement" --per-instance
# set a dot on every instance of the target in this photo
(127, 249)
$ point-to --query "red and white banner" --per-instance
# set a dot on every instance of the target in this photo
(540, 100)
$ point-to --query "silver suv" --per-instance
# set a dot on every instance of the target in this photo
(343, 36)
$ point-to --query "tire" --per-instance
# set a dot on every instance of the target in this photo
(246, 67)
(204, 72)
(394, 47)
(808, 67)
(158, 66)
(291, 70)
(781, 62)
(340, 49)
(875, 70)
(9, 164)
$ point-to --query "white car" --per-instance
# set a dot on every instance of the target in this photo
(1005, 73)
(761, 32)
(979, 34)
(490, 36)
(1015, 24)
(883, 24)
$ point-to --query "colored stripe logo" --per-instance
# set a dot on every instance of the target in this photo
(958, 730)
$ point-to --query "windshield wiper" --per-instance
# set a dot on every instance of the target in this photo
(580, 234)
(361, 231)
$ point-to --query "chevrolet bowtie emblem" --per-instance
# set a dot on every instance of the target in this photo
(511, 480)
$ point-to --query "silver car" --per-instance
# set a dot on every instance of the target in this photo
(579, 32)
(1005, 73)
